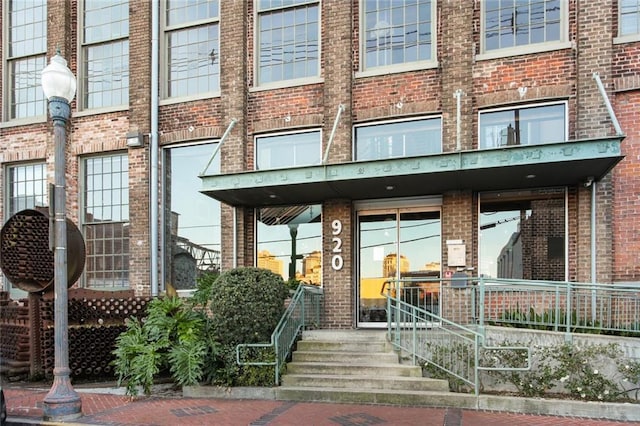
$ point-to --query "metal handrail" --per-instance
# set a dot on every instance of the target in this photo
(304, 310)
(423, 334)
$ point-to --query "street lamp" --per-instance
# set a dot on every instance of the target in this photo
(59, 86)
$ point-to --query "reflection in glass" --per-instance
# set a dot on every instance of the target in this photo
(289, 242)
(105, 221)
(523, 126)
(398, 245)
(400, 139)
(290, 150)
(192, 219)
(523, 239)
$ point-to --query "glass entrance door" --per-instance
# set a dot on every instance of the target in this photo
(396, 244)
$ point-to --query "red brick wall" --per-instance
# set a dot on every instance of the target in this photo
(626, 184)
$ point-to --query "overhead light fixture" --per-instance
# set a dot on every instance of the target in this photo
(134, 140)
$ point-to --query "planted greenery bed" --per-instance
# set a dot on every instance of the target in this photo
(597, 372)
(194, 340)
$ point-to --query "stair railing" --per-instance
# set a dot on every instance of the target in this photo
(304, 311)
(433, 340)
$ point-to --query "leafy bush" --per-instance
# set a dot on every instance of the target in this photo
(195, 341)
(170, 339)
(246, 305)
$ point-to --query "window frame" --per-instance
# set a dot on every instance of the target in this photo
(8, 211)
(84, 224)
(523, 107)
(257, 83)
(293, 134)
(392, 122)
(626, 38)
(547, 46)
(363, 71)
(166, 266)
(165, 68)
(300, 237)
(83, 92)
(9, 97)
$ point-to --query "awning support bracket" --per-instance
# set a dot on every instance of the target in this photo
(333, 132)
(224, 136)
(607, 103)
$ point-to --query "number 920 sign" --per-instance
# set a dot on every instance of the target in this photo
(336, 259)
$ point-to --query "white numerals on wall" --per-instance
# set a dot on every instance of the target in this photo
(336, 260)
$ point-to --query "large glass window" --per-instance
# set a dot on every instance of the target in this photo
(193, 47)
(288, 40)
(629, 17)
(400, 139)
(105, 221)
(523, 126)
(509, 23)
(398, 32)
(26, 187)
(105, 53)
(290, 150)
(192, 220)
(522, 235)
(289, 242)
(26, 58)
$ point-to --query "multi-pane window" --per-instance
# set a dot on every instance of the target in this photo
(397, 32)
(288, 150)
(288, 40)
(509, 23)
(26, 187)
(106, 221)
(26, 57)
(629, 20)
(399, 139)
(105, 54)
(192, 34)
(192, 219)
(523, 126)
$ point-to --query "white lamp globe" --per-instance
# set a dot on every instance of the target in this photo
(58, 80)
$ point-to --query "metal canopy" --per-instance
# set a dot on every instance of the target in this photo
(513, 167)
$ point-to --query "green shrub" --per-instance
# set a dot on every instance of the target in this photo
(170, 339)
(246, 305)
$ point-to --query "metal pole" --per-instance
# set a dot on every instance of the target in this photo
(62, 402)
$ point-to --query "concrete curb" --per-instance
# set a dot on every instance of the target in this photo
(539, 406)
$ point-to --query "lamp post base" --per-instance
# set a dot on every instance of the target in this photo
(62, 403)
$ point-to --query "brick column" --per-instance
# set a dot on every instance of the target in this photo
(234, 16)
(595, 54)
(338, 284)
(139, 158)
(337, 71)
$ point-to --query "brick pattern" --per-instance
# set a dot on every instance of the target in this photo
(626, 188)
(338, 284)
(565, 74)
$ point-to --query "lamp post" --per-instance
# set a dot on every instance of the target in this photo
(59, 86)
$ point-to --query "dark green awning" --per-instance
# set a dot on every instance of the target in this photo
(513, 167)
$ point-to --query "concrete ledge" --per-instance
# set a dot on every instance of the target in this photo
(228, 393)
(561, 407)
(513, 404)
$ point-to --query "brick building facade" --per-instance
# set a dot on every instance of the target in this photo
(358, 129)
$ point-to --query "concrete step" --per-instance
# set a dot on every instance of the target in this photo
(342, 357)
(376, 396)
(346, 346)
(345, 335)
(355, 368)
(365, 382)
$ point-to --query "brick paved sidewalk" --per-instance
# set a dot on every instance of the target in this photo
(25, 407)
